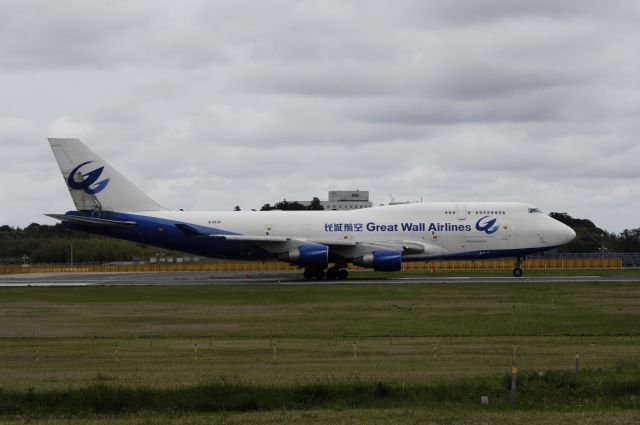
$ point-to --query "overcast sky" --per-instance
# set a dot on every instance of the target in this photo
(212, 104)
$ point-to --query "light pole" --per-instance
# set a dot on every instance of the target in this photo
(602, 251)
(71, 253)
(602, 248)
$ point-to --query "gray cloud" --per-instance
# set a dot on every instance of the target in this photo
(213, 104)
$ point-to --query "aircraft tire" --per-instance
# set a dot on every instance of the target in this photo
(332, 274)
(517, 272)
(308, 274)
(320, 274)
(342, 274)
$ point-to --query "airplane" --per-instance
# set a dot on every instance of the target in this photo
(323, 243)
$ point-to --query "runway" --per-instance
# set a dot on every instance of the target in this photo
(270, 278)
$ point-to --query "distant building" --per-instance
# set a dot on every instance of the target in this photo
(347, 200)
(340, 200)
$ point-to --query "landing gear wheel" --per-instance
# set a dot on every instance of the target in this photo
(517, 271)
(342, 274)
(332, 274)
(319, 274)
(308, 274)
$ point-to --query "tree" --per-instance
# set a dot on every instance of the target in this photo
(289, 206)
(589, 237)
(284, 205)
(629, 240)
(237, 208)
(315, 204)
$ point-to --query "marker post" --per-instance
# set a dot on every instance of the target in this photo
(514, 375)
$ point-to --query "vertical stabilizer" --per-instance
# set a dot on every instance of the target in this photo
(93, 183)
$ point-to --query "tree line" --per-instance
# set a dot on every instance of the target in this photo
(40, 243)
(591, 238)
(315, 204)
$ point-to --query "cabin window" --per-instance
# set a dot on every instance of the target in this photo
(534, 210)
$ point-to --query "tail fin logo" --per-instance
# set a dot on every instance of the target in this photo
(488, 226)
(87, 181)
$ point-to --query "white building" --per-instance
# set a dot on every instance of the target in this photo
(345, 200)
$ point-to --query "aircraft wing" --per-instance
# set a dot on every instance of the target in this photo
(259, 239)
(191, 231)
(345, 248)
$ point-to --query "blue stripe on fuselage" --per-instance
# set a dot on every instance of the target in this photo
(163, 233)
(479, 255)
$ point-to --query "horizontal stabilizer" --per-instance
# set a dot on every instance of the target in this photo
(91, 221)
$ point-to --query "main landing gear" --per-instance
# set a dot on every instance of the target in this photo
(337, 273)
(517, 271)
(312, 273)
(332, 273)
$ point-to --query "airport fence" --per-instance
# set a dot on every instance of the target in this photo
(532, 263)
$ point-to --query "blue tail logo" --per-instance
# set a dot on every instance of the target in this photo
(89, 182)
(488, 226)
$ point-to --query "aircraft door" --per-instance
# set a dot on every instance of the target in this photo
(462, 211)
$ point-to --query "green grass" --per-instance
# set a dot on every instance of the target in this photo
(367, 274)
(437, 341)
(352, 417)
(553, 389)
(358, 275)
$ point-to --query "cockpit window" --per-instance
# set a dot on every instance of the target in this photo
(534, 210)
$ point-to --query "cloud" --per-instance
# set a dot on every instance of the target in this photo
(65, 126)
(215, 104)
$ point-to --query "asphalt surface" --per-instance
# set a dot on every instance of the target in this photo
(266, 278)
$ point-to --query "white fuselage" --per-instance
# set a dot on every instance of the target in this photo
(448, 229)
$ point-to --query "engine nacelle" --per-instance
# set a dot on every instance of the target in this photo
(315, 256)
(388, 260)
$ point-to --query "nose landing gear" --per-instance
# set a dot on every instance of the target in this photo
(517, 271)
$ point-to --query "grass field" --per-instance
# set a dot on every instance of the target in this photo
(413, 353)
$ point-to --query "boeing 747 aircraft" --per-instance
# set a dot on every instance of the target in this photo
(324, 243)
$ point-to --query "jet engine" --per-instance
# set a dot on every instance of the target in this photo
(313, 256)
(388, 260)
